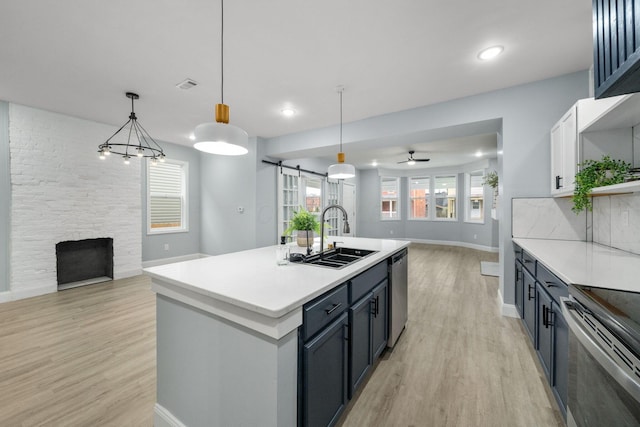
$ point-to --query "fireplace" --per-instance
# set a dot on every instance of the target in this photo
(84, 262)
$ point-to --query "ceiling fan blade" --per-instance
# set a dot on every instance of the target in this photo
(404, 161)
(421, 160)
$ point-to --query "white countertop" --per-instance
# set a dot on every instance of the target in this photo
(252, 281)
(586, 263)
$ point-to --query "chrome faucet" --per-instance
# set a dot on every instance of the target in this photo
(346, 228)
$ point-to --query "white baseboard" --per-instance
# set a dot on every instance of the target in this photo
(163, 418)
(163, 261)
(451, 243)
(507, 310)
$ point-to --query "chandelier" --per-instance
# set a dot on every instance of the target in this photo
(145, 146)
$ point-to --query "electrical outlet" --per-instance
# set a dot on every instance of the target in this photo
(166, 246)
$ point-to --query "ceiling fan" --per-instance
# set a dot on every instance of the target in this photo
(411, 161)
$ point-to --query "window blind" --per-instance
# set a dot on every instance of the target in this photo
(166, 195)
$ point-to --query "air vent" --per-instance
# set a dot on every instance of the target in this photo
(187, 84)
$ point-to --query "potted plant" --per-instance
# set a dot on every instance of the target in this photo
(491, 179)
(596, 173)
(306, 224)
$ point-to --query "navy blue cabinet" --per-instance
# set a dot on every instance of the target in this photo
(380, 318)
(544, 329)
(343, 332)
(616, 47)
(540, 292)
(325, 375)
(529, 304)
(360, 342)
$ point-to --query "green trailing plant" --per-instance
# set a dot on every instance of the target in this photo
(596, 173)
(303, 220)
(491, 179)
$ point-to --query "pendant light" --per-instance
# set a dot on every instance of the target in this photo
(341, 170)
(221, 137)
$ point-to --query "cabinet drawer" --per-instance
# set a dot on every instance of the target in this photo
(321, 311)
(529, 262)
(364, 282)
(556, 287)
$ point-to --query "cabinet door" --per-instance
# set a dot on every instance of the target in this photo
(519, 288)
(569, 149)
(360, 341)
(545, 328)
(556, 158)
(325, 375)
(560, 356)
(529, 305)
(379, 321)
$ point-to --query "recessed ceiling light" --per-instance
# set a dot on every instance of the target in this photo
(374, 163)
(490, 53)
(192, 136)
(478, 153)
(288, 112)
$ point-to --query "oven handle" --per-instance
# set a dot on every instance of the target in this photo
(620, 375)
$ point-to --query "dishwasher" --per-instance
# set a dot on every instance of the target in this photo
(398, 273)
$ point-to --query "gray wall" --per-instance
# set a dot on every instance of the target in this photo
(226, 183)
(526, 114)
(5, 196)
(185, 243)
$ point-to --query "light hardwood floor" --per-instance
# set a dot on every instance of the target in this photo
(86, 356)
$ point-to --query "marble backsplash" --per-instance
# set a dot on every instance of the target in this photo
(547, 218)
(616, 221)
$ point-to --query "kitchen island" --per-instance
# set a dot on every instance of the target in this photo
(227, 333)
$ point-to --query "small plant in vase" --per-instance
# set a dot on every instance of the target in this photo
(596, 173)
(306, 224)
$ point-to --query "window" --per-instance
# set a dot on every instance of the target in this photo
(419, 198)
(298, 190)
(167, 197)
(445, 190)
(389, 196)
(474, 197)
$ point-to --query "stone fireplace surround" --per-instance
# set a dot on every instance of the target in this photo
(61, 190)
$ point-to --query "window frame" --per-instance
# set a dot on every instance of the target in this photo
(429, 199)
(433, 195)
(467, 198)
(184, 227)
(398, 199)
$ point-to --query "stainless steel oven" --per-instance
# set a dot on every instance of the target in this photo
(604, 357)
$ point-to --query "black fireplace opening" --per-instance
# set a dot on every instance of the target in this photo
(82, 262)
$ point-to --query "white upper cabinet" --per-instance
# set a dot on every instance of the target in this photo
(564, 148)
(589, 130)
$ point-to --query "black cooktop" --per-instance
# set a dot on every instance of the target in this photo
(618, 311)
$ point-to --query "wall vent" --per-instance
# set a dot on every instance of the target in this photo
(187, 84)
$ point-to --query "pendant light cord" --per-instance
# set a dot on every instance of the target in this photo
(222, 51)
(341, 121)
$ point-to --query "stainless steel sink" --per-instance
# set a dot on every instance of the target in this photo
(335, 258)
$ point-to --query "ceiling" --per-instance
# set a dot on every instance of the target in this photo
(79, 57)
